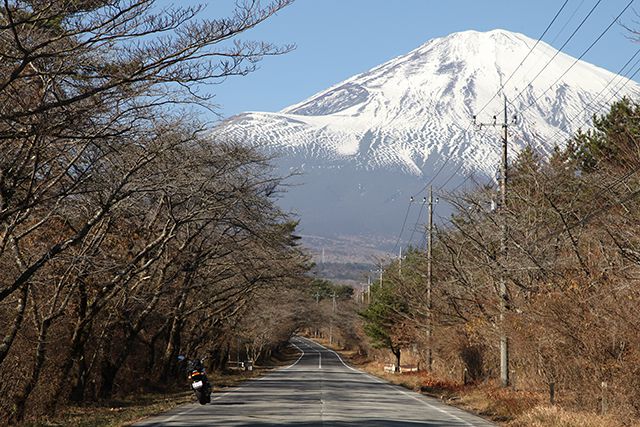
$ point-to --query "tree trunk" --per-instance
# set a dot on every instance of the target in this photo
(22, 397)
(75, 354)
(78, 390)
(108, 372)
(11, 335)
(173, 342)
(396, 353)
(151, 360)
(76, 348)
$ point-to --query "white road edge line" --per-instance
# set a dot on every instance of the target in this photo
(296, 362)
(339, 358)
(260, 378)
(419, 399)
(267, 375)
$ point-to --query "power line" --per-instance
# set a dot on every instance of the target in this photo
(430, 182)
(615, 92)
(532, 103)
(415, 227)
(582, 55)
(449, 179)
(498, 92)
(559, 33)
(590, 215)
(561, 47)
(567, 23)
(435, 176)
(579, 58)
(460, 167)
(463, 182)
(590, 106)
(594, 213)
(503, 85)
(446, 162)
(404, 223)
(448, 159)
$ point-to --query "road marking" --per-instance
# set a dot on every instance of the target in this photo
(342, 361)
(296, 362)
(266, 375)
(394, 387)
(339, 358)
(421, 399)
(319, 360)
(310, 348)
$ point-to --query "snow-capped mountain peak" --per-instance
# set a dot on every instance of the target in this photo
(407, 112)
(384, 132)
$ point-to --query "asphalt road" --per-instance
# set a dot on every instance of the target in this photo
(319, 389)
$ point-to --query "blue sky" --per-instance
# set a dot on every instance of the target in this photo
(339, 38)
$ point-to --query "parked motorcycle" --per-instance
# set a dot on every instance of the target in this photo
(199, 382)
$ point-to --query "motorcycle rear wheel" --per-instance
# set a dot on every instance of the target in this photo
(203, 395)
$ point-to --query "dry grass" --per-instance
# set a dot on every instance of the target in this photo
(497, 403)
(545, 416)
(508, 407)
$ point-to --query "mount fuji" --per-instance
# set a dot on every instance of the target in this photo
(367, 144)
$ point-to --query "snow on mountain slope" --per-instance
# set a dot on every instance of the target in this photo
(419, 105)
(369, 142)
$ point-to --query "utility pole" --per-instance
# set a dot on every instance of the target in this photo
(504, 340)
(502, 211)
(333, 313)
(429, 281)
(379, 270)
(317, 295)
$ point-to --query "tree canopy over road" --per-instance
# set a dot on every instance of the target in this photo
(126, 236)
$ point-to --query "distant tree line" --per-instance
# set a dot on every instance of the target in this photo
(127, 237)
(572, 274)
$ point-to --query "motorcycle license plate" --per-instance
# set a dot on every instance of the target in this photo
(196, 385)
